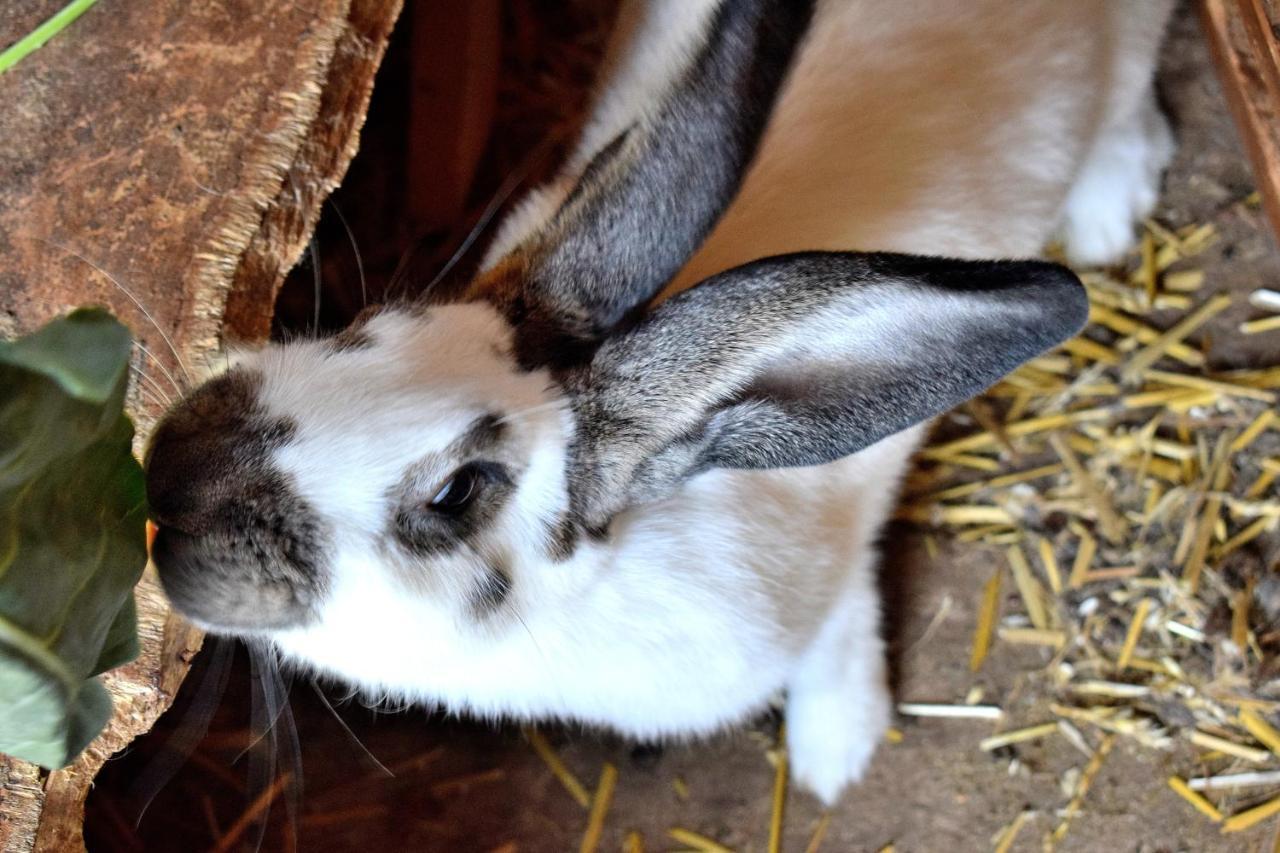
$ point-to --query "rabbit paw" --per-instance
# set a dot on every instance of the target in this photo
(1116, 188)
(831, 736)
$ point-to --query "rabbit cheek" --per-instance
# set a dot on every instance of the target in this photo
(491, 592)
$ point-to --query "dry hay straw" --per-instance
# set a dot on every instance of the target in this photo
(1131, 490)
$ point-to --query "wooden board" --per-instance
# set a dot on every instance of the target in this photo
(166, 159)
(1242, 35)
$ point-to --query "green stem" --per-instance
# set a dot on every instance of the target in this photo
(41, 34)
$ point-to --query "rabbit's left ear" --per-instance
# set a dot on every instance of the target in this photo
(800, 360)
(648, 199)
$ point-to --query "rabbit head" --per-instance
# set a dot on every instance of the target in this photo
(432, 456)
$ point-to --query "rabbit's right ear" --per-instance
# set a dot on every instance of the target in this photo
(648, 199)
(800, 360)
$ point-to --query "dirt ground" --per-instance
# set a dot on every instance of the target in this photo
(467, 786)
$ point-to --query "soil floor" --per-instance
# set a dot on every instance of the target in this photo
(472, 786)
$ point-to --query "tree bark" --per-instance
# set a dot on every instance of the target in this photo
(167, 160)
(1242, 36)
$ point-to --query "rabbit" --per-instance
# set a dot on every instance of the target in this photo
(633, 473)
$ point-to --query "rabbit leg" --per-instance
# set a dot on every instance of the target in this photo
(838, 702)
(1117, 186)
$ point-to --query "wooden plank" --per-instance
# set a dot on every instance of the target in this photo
(1242, 36)
(453, 96)
(178, 150)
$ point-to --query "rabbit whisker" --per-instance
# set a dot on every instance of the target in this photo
(531, 410)
(313, 248)
(324, 700)
(355, 250)
(195, 723)
(134, 299)
(160, 365)
(158, 391)
(509, 186)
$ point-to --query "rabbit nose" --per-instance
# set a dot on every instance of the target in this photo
(237, 548)
(206, 448)
(240, 553)
(228, 591)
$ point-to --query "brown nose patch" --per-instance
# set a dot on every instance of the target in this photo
(238, 547)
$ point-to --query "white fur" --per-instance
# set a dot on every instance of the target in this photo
(923, 126)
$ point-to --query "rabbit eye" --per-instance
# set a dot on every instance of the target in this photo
(458, 492)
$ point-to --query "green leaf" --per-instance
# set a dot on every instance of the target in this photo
(72, 533)
(121, 645)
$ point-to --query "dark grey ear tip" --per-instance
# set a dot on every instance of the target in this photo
(1057, 292)
(1062, 292)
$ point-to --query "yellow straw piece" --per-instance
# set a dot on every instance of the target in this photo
(1195, 239)
(1087, 348)
(1084, 559)
(983, 533)
(956, 515)
(986, 621)
(1197, 800)
(1143, 334)
(1033, 637)
(1018, 407)
(1031, 591)
(969, 460)
(1201, 383)
(1058, 364)
(1184, 281)
(1261, 729)
(634, 843)
(1253, 430)
(599, 808)
(1164, 234)
(696, 841)
(1175, 301)
(1015, 430)
(1268, 377)
(1050, 562)
(1262, 324)
(1135, 631)
(1000, 482)
(1029, 733)
(1113, 526)
(1147, 269)
(1082, 786)
(1253, 531)
(1230, 747)
(1156, 350)
(1260, 485)
(1192, 400)
(1240, 620)
(1007, 835)
(1253, 509)
(1246, 819)
(819, 833)
(1112, 573)
(1161, 397)
(779, 795)
(1149, 666)
(1212, 510)
(557, 767)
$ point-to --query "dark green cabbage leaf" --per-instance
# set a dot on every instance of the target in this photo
(72, 533)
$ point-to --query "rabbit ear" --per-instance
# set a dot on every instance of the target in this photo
(800, 360)
(646, 201)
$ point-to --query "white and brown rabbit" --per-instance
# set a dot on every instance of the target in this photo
(541, 497)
